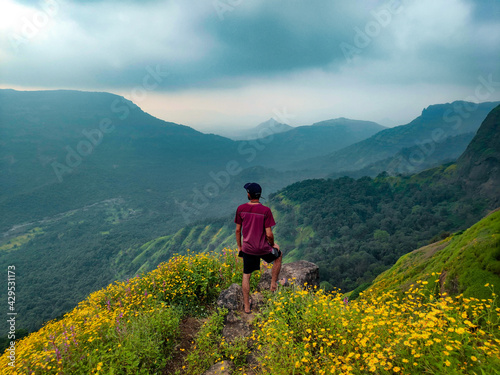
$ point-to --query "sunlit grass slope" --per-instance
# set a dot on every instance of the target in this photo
(462, 263)
(198, 238)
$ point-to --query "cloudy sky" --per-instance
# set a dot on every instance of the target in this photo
(218, 63)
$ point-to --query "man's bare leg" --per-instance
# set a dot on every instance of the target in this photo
(245, 285)
(275, 273)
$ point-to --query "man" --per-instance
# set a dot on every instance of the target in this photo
(256, 222)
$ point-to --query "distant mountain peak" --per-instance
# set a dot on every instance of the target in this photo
(343, 121)
(264, 129)
(272, 123)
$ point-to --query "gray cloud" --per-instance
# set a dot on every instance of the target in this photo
(108, 44)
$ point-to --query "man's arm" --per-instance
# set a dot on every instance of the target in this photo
(238, 236)
(270, 236)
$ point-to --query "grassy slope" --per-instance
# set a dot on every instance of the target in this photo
(466, 262)
(198, 238)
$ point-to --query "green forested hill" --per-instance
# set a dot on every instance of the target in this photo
(462, 263)
(479, 166)
(354, 229)
(63, 150)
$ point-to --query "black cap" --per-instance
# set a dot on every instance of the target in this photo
(253, 189)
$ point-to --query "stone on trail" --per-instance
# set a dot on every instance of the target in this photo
(221, 368)
(231, 298)
(302, 271)
(235, 330)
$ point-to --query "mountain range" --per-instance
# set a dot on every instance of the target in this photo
(424, 136)
(62, 150)
(95, 190)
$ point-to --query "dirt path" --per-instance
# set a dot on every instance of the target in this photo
(189, 327)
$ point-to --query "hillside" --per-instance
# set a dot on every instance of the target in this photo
(50, 166)
(479, 166)
(211, 235)
(460, 264)
(166, 322)
(433, 126)
(413, 159)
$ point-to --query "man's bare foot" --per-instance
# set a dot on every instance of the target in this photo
(249, 311)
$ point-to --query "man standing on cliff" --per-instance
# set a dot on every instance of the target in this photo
(256, 222)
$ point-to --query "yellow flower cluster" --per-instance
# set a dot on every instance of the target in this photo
(89, 338)
(303, 332)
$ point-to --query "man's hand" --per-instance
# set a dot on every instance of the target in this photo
(238, 236)
(276, 246)
(270, 236)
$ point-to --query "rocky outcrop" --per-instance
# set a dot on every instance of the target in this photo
(235, 327)
(231, 298)
(298, 273)
(238, 326)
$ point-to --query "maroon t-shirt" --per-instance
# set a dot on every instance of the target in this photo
(254, 219)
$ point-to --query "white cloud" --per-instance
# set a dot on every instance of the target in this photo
(432, 22)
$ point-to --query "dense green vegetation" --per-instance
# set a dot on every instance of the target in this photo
(355, 229)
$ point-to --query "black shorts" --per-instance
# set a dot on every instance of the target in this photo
(252, 262)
